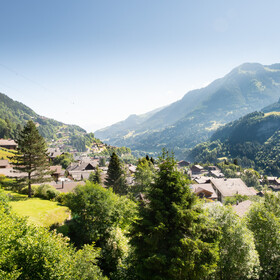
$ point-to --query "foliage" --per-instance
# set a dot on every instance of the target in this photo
(115, 176)
(101, 216)
(170, 238)
(95, 176)
(64, 160)
(238, 258)
(253, 141)
(46, 191)
(28, 252)
(263, 220)
(82, 142)
(237, 198)
(144, 176)
(14, 115)
(32, 156)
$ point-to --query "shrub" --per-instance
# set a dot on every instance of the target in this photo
(61, 198)
(46, 191)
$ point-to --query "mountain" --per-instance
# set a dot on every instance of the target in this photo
(254, 140)
(14, 115)
(195, 117)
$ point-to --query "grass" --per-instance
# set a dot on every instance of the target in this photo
(5, 153)
(272, 113)
(40, 212)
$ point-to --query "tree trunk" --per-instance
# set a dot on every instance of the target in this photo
(29, 185)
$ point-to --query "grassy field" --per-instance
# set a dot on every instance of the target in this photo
(40, 212)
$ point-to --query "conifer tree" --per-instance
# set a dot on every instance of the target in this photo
(115, 175)
(170, 237)
(95, 177)
(31, 157)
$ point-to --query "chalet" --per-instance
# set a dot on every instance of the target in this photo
(216, 173)
(132, 168)
(202, 179)
(81, 170)
(204, 191)
(4, 163)
(57, 172)
(8, 144)
(183, 163)
(197, 169)
(230, 187)
(274, 188)
(53, 153)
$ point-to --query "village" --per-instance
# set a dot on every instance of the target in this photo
(208, 183)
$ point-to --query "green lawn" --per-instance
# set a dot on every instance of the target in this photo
(40, 212)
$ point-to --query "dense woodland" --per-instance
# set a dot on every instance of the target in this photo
(253, 141)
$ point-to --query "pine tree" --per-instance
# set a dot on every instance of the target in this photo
(170, 236)
(115, 175)
(95, 177)
(31, 157)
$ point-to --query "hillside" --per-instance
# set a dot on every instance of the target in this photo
(253, 140)
(195, 117)
(14, 115)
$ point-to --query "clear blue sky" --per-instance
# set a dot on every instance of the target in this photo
(93, 63)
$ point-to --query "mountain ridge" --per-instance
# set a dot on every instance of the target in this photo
(194, 118)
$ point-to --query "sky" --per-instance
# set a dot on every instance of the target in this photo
(93, 63)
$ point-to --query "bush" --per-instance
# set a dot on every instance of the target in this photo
(7, 183)
(46, 191)
(24, 190)
(61, 198)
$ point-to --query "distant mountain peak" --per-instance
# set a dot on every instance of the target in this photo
(186, 122)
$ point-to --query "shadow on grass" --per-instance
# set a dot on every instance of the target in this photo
(17, 197)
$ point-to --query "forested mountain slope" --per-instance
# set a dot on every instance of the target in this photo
(253, 139)
(195, 117)
(14, 115)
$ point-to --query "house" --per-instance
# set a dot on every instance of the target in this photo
(132, 168)
(4, 163)
(53, 153)
(8, 144)
(197, 169)
(204, 191)
(216, 173)
(230, 187)
(57, 172)
(81, 170)
(202, 179)
(183, 163)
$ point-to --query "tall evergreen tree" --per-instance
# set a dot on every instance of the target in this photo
(115, 175)
(170, 239)
(32, 156)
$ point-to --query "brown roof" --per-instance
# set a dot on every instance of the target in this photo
(200, 188)
(4, 162)
(82, 166)
(242, 207)
(231, 187)
(7, 142)
(57, 169)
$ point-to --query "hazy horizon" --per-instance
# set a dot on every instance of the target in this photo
(94, 63)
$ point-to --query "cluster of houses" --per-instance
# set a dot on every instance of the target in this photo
(208, 183)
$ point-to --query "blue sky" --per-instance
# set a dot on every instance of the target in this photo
(93, 63)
